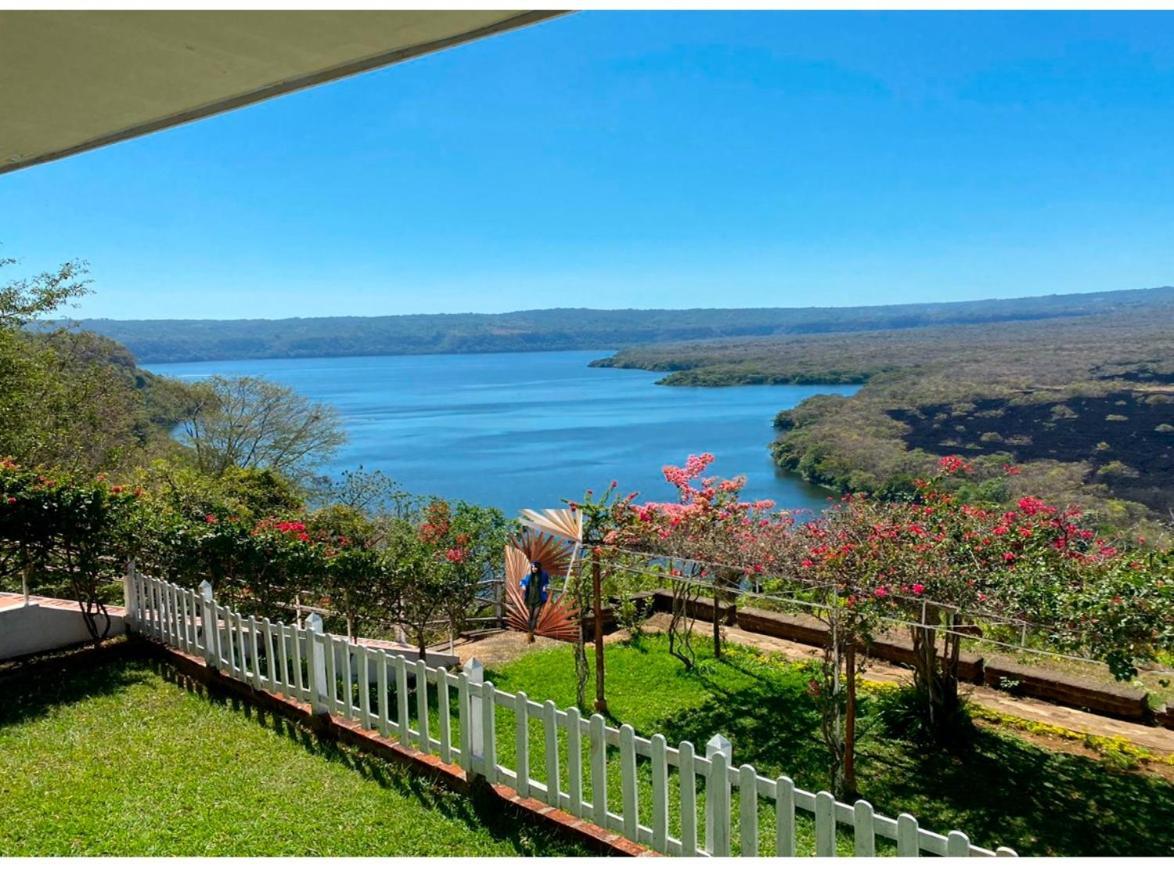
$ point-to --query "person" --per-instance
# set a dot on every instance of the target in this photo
(534, 587)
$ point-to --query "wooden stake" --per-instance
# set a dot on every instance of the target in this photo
(600, 699)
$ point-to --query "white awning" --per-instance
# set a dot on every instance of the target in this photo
(73, 81)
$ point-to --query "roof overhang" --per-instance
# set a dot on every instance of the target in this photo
(73, 81)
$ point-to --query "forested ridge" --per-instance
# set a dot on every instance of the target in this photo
(567, 328)
(1078, 409)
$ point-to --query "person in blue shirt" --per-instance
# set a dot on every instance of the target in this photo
(534, 587)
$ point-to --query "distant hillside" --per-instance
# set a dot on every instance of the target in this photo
(1081, 408)
(569, 329)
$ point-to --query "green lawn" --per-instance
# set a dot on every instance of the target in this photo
(1004, 792)
(118, 759)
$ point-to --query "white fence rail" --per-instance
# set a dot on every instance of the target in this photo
(670, 798)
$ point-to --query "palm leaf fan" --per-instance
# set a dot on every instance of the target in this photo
(559, 617)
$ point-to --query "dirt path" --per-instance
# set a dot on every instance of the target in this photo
(499, 648)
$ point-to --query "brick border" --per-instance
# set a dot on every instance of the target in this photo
(351, 733)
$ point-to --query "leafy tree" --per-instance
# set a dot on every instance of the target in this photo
(437, 560)
(248, 422)
(65, 533)
(25, 300)
(371, 492)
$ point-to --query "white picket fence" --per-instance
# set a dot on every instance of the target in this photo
(456, 716)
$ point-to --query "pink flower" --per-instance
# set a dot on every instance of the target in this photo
(917, 588)
(952, 464)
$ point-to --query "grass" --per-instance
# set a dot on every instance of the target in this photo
(1003, 791)
(119, 759)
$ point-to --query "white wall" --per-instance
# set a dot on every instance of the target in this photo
(32, 629)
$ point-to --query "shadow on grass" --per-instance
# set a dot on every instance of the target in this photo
(33, 692)
(774, 726)
(1002, 791)
(1005, 791)
(477, 810)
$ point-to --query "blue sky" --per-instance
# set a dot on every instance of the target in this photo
(649, 160)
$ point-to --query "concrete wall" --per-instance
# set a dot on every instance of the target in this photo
(38, 628)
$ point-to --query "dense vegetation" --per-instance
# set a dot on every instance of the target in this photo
(77, 401)
(101, 463)
(564, 329)
(943, 565)
(1081, 409)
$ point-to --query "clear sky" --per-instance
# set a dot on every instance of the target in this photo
(649, 160)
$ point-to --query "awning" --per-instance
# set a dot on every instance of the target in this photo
(72, 81)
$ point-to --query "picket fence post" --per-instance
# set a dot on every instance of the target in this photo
(688, 781)
(207, 622)
(129, 597)
(489, 731)
(472, 722)
(718, 751)
(316, 665)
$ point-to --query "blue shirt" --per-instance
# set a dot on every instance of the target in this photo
(543, 582)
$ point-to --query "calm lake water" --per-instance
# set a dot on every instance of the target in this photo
(517, 430)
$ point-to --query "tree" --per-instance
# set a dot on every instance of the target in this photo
(64, 532)
(370, 492)
(436, 561)
(249, 422)
(73, 401)
(24, 300)
(714, 538)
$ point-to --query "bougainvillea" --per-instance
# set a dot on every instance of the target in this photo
(937, 565)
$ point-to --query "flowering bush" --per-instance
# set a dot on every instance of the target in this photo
(936, 563)
(437, 561)
(64, 533)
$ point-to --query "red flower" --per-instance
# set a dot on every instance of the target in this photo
(952, 464)
(1033, 506)
(210, 519)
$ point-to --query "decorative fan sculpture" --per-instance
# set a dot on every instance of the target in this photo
(551, 537)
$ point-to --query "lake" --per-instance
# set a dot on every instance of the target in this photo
(517, 430)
